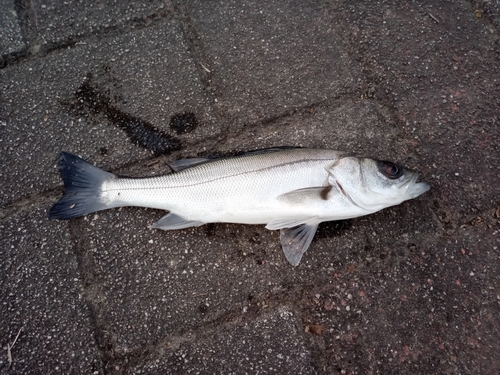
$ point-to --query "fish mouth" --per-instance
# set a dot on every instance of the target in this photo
(414, 188)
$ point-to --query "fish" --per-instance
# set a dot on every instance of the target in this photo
(284, 188)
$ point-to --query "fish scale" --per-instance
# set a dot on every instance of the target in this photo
(240, 192)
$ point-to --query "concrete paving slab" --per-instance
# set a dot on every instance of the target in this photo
(11, 39)
(146, 285)
(413, 309)
(42, 301)
(443, 87)
(266, 59)
(270, 344)
(39, 118)
(360, 126)
(64, 22)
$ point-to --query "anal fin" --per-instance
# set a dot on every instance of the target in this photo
(289, 223)
(172, 221)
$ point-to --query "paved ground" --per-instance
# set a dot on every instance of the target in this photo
(132, 86)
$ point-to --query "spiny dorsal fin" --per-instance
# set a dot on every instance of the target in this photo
(182, 164)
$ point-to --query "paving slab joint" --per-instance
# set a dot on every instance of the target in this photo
(195, 47)
(30, 203)
(36, 46)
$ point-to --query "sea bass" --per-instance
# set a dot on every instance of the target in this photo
(290, 189)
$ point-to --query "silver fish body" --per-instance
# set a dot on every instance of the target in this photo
(292, 189)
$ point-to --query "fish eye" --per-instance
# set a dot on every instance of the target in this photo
(390, 170)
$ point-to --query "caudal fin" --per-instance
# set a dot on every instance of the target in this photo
(83, 183)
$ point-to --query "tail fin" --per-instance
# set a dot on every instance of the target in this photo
(83, 184)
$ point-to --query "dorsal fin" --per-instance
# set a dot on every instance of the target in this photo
(182, 164)
(266, 150)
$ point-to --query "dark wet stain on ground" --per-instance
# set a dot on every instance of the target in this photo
(183, 122)
(90, 99)
(333, 228)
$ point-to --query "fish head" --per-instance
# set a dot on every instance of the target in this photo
(375, 184)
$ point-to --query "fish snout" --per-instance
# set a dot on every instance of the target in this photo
(414, 188)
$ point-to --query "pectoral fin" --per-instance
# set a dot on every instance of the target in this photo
(308, 195)
(173, 221)
(295, 241)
